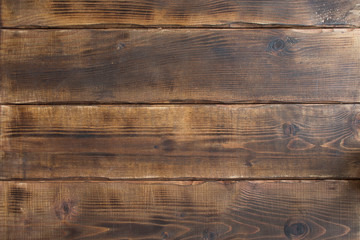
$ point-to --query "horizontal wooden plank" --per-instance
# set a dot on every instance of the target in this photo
(180, 210)
(180, 141)
(155, 66)
(61, 13)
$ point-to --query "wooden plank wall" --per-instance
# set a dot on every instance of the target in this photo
(180, 65)
(160, 119)
(180, 210)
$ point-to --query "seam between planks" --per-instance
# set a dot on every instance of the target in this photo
(102, 179)
(175, 103)
(120, 26)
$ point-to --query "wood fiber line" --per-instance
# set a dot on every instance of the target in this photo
(180, 141)
(180, 66)
(181, 210)
(215, 13)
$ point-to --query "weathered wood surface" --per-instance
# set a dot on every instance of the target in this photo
(174, 141)
(65, 13)
(180, 65)
(180, 210)
(69, 148)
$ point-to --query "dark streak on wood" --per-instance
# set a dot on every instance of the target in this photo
(16, 198)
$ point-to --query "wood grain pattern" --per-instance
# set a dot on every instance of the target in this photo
(71, 144)
(174, 141)
(62, 13)
(180, 210)
(43, 66)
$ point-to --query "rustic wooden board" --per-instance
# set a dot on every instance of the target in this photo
(180, 210)
(61, 13)
(115, 66)
(180, 141)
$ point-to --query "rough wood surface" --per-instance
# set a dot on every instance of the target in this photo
(64, 13)
(180, 65)
(180, 210)
(189, 141)
(209, 52)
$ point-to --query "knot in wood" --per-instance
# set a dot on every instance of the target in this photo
(290, 129)
(277, 44)
(296, 229)
(66, 210)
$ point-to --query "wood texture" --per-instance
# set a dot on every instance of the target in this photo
(64, 13)
(180, 210)
(66, 127)
(43, 66)
(189, 141)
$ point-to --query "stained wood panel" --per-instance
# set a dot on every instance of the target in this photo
(61, 13)
(180, 210)
(180, 66)
(69, 125)
(174, 141)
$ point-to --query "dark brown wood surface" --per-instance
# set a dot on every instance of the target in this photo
(102, 66)
(157, 119)
(65, 13)
(173, 141)
(180, 210)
